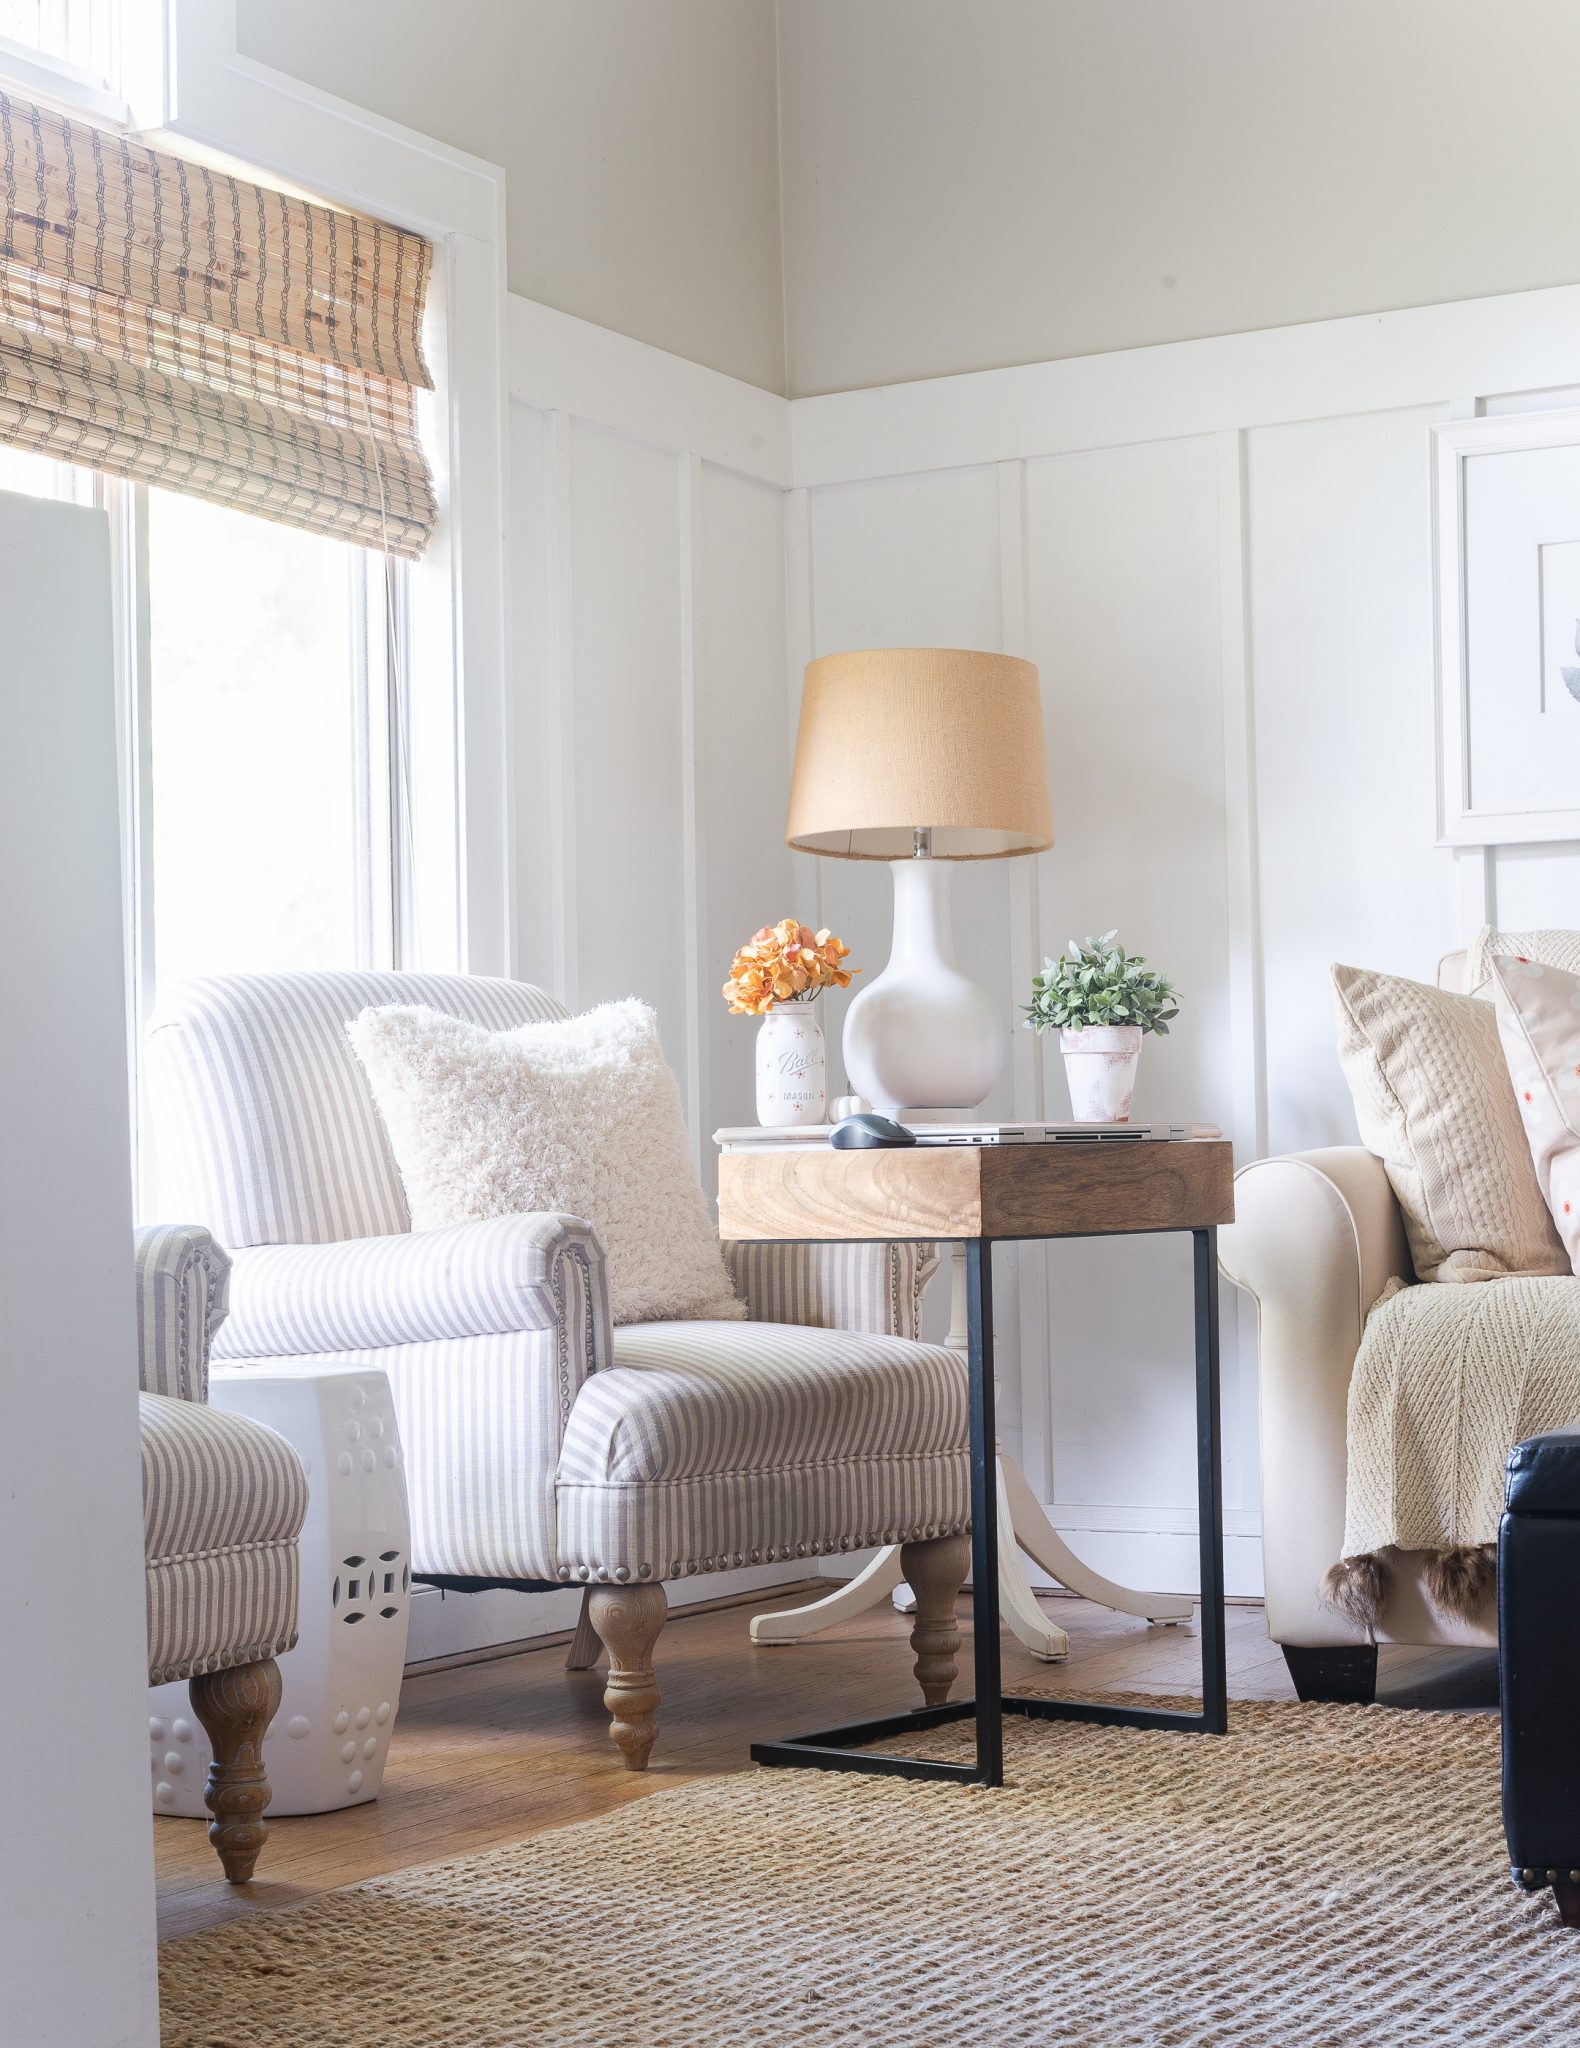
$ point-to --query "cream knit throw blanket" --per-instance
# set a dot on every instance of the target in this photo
(1447, 1380)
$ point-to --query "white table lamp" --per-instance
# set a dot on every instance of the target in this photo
(921, 756)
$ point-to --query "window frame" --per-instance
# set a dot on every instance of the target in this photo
(187, 88)
(456, 618)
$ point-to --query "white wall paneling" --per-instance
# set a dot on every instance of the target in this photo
(1219, 554)
(651, 721)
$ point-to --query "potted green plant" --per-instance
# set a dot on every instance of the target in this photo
(1102, 1001)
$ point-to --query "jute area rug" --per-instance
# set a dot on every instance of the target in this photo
(1322, 1876)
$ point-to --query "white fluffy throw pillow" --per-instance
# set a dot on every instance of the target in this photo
(581, 1116)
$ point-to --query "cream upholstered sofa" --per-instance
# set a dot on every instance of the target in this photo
(1317, 1238)
(224, 1500)
(543, 1447)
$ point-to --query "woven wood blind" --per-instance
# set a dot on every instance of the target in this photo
(162, 321)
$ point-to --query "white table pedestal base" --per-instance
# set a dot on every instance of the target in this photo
(1023, 1526)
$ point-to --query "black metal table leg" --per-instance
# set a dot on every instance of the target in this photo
(984, 1515)
(1209, 1488)
(839, 1749)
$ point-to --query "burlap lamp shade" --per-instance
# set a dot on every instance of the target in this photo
(893, 739)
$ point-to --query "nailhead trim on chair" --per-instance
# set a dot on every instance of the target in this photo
(1530, 1879)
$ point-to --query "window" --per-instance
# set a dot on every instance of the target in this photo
(268, 747)
(38, 476)
(80, 35)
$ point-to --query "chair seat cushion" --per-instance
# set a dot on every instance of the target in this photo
(705, 1446)
(223, 1501)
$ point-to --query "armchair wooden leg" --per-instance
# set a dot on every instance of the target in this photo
(935, 1572)
(236, 1707)
(628, 1619)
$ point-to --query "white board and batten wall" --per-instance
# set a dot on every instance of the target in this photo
(1219, 553)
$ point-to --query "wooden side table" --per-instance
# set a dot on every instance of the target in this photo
(981, 1196)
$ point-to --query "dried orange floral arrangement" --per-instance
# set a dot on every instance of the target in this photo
(785, 963)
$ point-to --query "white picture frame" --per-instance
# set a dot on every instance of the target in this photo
(1506, 543)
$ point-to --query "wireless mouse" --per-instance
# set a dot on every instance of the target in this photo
(866, 1132)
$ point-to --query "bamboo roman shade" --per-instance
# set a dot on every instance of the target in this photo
(165, 322)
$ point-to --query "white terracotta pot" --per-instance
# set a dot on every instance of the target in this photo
(791, 1066)
(1100, 1066)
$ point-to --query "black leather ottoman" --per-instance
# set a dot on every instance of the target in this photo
(1539, 1666)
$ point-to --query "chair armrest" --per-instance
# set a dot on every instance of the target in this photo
(1316, 1239)
(499, 1276)
(182, 1280)
(876, 1289)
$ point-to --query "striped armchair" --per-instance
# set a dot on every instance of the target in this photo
(545, 1448)
(224, 1500)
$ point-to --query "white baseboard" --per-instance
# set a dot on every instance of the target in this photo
(453, 1624)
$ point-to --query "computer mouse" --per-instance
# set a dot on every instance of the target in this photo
(868, 1131)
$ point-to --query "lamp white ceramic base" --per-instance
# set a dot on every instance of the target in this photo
(922, 1039)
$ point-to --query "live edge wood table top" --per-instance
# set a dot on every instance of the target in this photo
(992, 1192)
(977, 1195)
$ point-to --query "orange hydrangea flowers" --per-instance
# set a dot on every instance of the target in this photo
(785, 963)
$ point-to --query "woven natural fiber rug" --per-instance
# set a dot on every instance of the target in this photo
(1322, 1876)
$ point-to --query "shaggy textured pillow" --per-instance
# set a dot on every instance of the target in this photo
(1539, 1022)
(580, 1116)
(1433, 1101)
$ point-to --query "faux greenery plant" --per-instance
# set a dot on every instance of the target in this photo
(1098, 982)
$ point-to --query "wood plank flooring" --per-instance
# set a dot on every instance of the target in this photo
(486, 1754)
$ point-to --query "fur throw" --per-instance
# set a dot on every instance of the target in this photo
(1458, 1582)
(579, 1115)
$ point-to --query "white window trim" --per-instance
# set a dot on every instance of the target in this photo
(185, 83)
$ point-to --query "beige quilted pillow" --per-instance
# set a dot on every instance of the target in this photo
(1434, 1102)
(1547, 949)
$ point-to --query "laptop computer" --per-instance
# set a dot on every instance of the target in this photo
(748, 1135)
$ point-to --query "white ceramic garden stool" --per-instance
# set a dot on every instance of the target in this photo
(327, 1744)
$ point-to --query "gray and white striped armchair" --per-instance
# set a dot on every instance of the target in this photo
(224, 1500)
(545, 1448)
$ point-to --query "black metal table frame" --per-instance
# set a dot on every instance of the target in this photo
(840, 1749)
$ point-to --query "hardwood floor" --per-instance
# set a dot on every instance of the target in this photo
(491, 1753)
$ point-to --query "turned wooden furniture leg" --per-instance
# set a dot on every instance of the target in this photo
(935, 1572)
(628, 1619)
(585, 1649)
(236, 1708)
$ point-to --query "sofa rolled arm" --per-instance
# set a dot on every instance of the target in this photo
(497, 1276)
(1316, 1239)
(181, 1287)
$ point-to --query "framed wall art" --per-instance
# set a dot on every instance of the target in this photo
(1507, 539)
